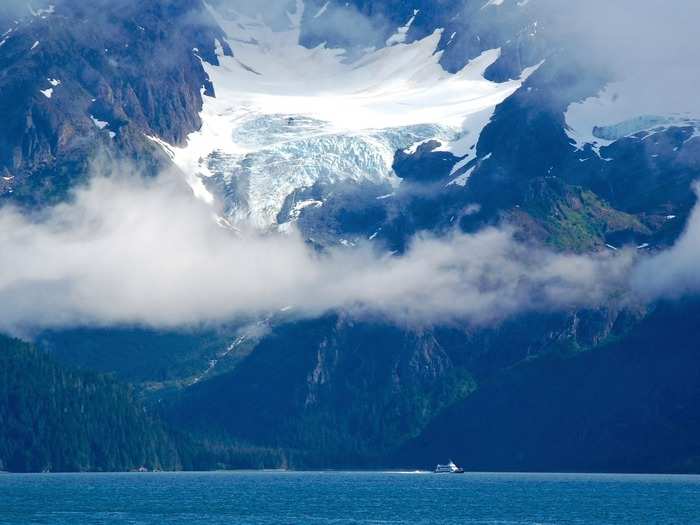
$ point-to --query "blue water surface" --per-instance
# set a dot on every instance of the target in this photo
(341, 498)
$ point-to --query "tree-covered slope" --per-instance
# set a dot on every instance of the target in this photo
(329, 392)
(628, 405)
(334, 392)
(56, 419)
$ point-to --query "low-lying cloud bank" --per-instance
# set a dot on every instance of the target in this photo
(674, 273)
(647, 48)
(131, 251)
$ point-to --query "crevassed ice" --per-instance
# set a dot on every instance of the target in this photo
(290, 152)
(286, 117)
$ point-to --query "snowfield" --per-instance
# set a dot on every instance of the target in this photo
(286, 117)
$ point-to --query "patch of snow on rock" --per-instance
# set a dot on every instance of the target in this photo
(402, 32)
(323, 9)
(462, 179)
(99, 123)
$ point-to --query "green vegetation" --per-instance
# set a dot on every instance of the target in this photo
(572, 218)
(53, 419)
(629, 404)
(327, 393)
(63, 420)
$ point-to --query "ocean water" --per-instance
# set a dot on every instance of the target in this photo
(341, 498)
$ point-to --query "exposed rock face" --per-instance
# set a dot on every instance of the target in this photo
(98, 77)
(331, 390)
(630, 405)
(335, 392)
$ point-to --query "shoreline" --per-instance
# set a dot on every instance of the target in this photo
(363, 471)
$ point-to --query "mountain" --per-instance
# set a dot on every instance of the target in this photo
(364, 125)
(629, 405)
(329, 391)
(57, 419)
(80, 80)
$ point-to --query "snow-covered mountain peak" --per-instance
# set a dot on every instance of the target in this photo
(286, 116)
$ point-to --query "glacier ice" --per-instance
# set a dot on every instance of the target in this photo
(631, 105)
(285, 153)
(286, 117)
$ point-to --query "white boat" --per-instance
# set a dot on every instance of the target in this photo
(450, 468)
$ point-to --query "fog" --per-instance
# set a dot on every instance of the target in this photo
(647, 48)
(674, 273)
(10, 9)
(128, 250)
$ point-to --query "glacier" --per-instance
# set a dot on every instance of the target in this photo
(285, 117)
(652, 101)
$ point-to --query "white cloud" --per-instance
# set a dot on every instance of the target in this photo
(646, 48)
(676, 272)
(131, 251)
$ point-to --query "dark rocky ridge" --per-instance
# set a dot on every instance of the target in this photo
(131, 66)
